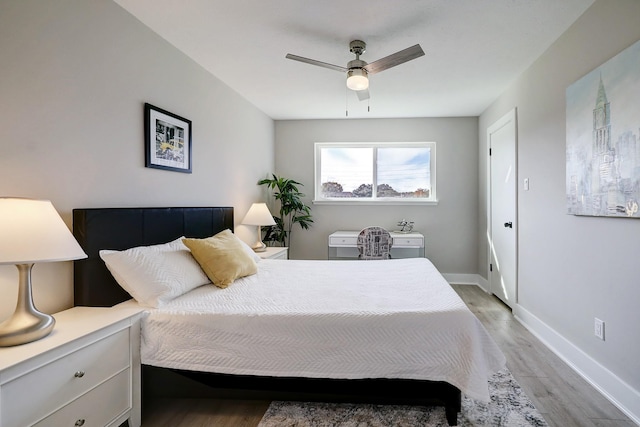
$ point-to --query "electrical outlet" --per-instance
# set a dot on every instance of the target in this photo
(599, 328)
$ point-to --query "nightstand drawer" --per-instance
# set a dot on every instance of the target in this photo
(274, 252)
(343, 241)
(96, 408)
(46, 389)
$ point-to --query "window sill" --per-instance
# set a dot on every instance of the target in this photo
(352, 202)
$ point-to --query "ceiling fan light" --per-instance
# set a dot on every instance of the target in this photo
(357, 79)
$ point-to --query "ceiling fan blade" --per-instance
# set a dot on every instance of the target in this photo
(394, 59)
(363, 95)
(318, 63)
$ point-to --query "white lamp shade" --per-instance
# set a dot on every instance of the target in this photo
(258, 215)
(32, 231)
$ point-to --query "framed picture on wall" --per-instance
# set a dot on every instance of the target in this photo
(167, 140)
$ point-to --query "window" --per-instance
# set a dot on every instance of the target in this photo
(375, 172)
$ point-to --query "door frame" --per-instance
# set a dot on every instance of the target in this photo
(510, 116)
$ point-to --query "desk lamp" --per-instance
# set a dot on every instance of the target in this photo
(259, 215)
(31, 231)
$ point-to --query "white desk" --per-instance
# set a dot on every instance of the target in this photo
(344, 245)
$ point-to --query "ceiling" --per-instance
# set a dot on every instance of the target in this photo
(473, 50)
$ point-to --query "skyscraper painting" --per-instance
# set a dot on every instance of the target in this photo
(603, 139)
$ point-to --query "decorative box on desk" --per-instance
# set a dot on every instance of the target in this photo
(344, 245)
(86, 372)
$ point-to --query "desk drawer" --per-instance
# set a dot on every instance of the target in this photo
(408, 242)
(44, 390)
(337, 241)
(96, 408)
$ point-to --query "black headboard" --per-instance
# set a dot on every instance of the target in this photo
(124, 228)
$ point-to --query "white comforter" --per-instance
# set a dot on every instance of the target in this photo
(327, 319)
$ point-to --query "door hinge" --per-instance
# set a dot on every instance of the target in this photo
(489, 151)
(490, 267)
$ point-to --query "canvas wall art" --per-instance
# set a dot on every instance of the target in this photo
(603, 139)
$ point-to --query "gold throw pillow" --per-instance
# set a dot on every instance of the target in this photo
(222, 257)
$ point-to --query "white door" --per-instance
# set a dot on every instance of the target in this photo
(501, 137)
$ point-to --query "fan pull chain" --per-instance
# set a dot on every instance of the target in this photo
(346, 102)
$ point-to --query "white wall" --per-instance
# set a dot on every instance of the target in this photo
(572, 269)
(449, 228)
(74, 77)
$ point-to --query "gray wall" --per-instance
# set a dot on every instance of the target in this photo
(449, 228)
(571, 269)
(73, 80)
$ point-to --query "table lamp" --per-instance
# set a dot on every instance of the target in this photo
(31, 231)
(259, 215)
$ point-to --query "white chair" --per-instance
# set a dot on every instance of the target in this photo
(374, 243)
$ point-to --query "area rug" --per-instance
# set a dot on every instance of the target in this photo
(509, 407)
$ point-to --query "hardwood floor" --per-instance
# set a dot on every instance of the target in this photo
(203, 413)
(561, 396)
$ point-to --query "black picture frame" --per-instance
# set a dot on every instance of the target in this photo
(167, 140)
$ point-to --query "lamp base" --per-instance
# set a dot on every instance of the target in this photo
(27, 323)
(25, 327)
(259, 246)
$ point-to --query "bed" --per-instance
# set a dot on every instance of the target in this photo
(319, 344)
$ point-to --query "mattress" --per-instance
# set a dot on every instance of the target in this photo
(327, 319)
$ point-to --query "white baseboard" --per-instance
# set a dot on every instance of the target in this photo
(618, 392)
(467, 279)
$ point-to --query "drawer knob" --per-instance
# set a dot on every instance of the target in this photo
(80, 422)
(79, 374)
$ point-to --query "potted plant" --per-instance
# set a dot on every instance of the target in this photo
(292, 210)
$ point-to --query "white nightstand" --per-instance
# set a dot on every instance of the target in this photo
(274, 252)
(86, 372)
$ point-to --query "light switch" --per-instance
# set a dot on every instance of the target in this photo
(526, 184)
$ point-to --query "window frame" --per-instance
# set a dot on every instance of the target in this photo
(319, 199)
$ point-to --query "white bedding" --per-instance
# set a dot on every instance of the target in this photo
(327, 319)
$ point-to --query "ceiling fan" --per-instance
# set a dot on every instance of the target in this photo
(358, 71)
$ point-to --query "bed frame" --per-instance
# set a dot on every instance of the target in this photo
(123, 228)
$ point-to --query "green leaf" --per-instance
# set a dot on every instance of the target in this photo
(292, 209)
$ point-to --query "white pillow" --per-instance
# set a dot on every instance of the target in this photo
(154, 275)
(250, 251)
